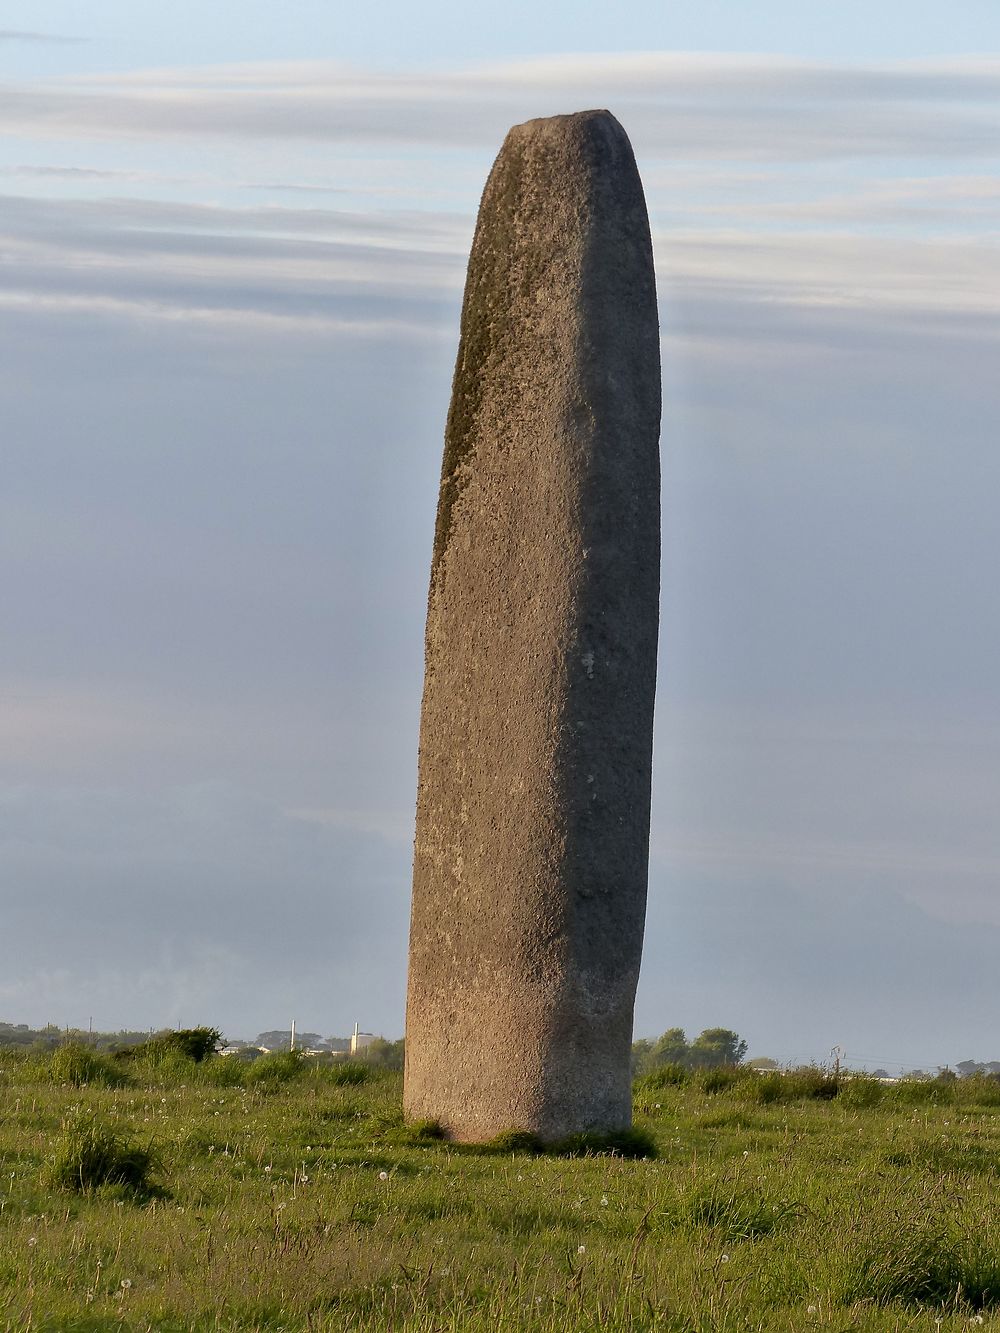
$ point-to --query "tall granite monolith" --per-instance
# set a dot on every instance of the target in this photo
(532, 834)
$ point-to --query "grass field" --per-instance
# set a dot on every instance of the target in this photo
(276, 1197)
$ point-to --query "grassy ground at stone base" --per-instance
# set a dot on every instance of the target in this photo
(296, 1202)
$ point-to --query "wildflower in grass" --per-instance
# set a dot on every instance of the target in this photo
(126, 1283)
(383, 1175)
(268, 1169)
(723, 1258)
(810, 1309)
(581, 1249)
(604, 1201)
(32, 1240)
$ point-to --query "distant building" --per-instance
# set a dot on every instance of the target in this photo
(359, 1040)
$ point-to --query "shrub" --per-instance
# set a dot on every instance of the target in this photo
(794, 1085)
(979, 1090)
(195, 1044)
(766, 1088)
(274, 1069)
(719, 1080)
(665, 1076)
(229, 1072)
(860, 1090)
(90, 1153)
(385, 1054)
(349, 1074)
(79, 1065)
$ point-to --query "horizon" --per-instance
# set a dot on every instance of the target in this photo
(835, 1056)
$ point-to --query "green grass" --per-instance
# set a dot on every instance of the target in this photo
(299, 1200)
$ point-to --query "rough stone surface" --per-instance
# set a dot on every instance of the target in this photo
(532, 833)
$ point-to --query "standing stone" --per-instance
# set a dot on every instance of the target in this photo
(531, 851)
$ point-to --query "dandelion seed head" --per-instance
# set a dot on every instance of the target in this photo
(383, 1175)
(724, 1259)
(581, 1249)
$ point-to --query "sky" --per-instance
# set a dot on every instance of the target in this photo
(232, 248)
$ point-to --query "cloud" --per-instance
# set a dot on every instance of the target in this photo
(403, 271)
(394, 274)
(15, 35)
(78, 174)
(676, 105)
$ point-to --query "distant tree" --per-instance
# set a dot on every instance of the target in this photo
(716, 1046)
(762, 1062)
(384, 1054)
(278, 1039)
(642, 1051)
(307, 1040)
(966, 1068)
(670, 1049)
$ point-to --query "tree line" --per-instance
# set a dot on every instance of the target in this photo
(711, 1049)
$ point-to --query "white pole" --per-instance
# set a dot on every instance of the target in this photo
(292, 1046)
